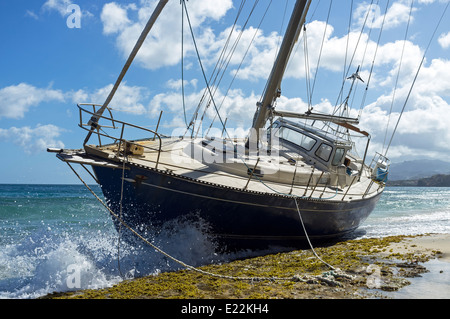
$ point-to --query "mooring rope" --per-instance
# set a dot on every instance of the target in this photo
(304, 278)
(307, 237)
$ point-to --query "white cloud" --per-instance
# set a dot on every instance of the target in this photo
(16, 100)
(176, 84)
(33, 140)
(57, 5)
(160, 48)
(423, 129)
(31, 14)
(172, 101)
(430, 1)
(114, 18)
(126, 99)
(375, 16)
(434, 80)
(236, 106)
(261, 55)
(444, 40)
(360, 50)
(62, 7)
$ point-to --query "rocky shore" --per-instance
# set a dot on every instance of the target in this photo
(354, 269)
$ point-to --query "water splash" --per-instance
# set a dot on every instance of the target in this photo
(57, 259)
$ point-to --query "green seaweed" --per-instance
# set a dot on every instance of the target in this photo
(349, 256)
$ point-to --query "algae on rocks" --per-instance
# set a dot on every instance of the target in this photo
(360, 267)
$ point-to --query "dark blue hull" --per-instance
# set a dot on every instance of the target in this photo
(235, 218)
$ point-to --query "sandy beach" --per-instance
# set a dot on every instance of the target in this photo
(426, 244)
(434, 282)
(374, 268)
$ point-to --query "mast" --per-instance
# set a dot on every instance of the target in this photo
(94, 119)
(273, 87)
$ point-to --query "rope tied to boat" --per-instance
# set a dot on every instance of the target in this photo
(324, 278)
(307, 237)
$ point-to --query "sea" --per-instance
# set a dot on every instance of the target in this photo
(56, 238)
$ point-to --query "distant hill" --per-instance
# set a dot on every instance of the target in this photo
(436, 180)
(417, 169)
(439, 180)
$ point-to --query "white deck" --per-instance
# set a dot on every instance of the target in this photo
(189, 158)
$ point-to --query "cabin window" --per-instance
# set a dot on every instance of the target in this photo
(324, 152)
(297, 138)
(337, 159)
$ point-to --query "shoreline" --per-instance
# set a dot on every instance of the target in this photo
(368, 268)
(426, 243)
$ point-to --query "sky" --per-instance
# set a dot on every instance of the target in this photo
(57, 53)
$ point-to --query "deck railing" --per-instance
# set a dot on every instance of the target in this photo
(123, 144)
(115, 124)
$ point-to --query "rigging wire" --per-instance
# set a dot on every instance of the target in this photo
(223, 62)
(347, 107)
(227, 61)
(320, 55)
(307, 72)
(195, 114)
(348, 40)
(182, 67)
(242, 61)
(336, 108)
(219, 67)
(398, 74)
(374, 57)
(415, 77)
(361, 64)
(344, 103)
(201, 64)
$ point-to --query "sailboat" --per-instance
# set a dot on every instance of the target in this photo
(289, 180)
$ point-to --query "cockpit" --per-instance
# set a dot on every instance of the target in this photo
(313, 145)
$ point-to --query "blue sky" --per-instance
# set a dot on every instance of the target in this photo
(51, 59)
